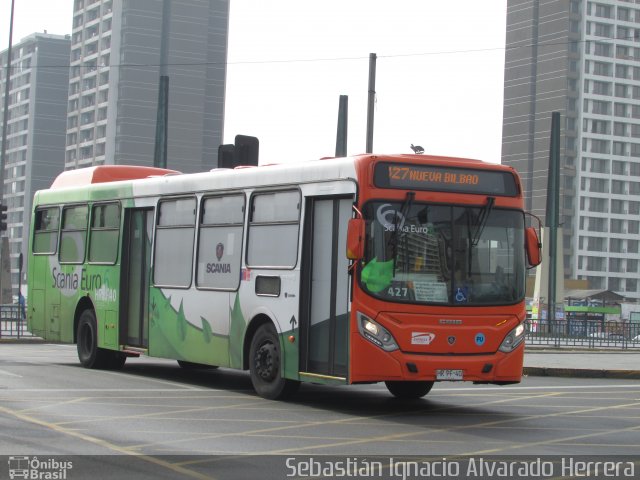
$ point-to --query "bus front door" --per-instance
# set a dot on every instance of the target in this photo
(324, 315)
(136, 274)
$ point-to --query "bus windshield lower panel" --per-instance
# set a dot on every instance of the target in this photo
(443, 254)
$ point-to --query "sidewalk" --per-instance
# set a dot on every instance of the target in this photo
(582, 363)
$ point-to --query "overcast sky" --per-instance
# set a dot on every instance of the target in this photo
(439, 72)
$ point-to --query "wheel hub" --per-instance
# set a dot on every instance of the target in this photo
(266, 362)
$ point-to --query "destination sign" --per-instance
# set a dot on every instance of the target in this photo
(444, 179)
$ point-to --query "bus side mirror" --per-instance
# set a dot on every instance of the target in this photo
(355, 239)
(532, 245)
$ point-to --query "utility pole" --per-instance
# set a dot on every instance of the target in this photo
(3, 153)
(162, 118)
(372, 100)
(552, 213)
(341, 136)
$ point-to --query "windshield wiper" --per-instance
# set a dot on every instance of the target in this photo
(482, 220)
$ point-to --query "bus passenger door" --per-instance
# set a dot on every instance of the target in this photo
(324, 306)
(136, 274)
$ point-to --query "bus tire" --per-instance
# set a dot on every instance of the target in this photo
(265, 365)
(116, 360)
(409, 390)
(195, 366)
(89, 354)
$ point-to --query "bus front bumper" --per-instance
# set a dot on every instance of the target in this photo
(377, 365)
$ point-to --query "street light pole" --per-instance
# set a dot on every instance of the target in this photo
(5, 120)
(5, 110)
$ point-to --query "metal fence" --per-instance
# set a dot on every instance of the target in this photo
(13, 324)
(584, 334)
(559, 333)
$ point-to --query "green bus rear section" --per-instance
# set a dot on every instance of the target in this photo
(59, 293)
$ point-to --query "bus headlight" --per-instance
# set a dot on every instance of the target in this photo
(376, 333)
(513, 339)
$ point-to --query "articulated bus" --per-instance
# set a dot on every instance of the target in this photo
(403, 269)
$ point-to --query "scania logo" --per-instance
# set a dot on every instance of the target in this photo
(451, 340)
(219, 251)
(449, 321)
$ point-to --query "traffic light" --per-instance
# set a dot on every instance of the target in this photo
(3, 217)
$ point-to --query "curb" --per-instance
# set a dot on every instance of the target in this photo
(581, 373)
(22, 341)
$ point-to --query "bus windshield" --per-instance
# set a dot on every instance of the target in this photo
(443, 254)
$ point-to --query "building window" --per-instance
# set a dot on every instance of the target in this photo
(617, 226)
(603, 49)
(616, 245)
(618, 167)
(603, 11)
(601, 88)
(603, 30)
(599, 146)
(619, 148)
(617, 187)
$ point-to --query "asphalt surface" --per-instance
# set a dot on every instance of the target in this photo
(154, 420)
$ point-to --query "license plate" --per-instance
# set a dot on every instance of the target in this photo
(450, 375)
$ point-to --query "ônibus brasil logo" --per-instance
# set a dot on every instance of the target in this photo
(36, 469)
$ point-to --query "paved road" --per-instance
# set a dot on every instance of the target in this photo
(152, 411)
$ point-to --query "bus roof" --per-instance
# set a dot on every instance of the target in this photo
(106, 173)
(153, 181)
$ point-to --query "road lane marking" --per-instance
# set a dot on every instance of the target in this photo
(152, 414)
(556, 440)
(9, 374)
(105, 444)
(348, 420)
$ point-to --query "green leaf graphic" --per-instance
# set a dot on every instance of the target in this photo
(206, 330)
(236, 333)
(182, 323)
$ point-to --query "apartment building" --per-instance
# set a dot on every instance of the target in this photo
(38, 85)
(580, 58)
(119, 50)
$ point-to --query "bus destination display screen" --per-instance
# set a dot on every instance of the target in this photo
(444, 179)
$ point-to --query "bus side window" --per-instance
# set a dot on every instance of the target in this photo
(273, 229)
(175, 233)
(74, 233)
(45, 236)
(105, 232)
(220, 242)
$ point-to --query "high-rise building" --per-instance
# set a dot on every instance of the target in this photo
(580, 58)
(39, 81)
(119, 50)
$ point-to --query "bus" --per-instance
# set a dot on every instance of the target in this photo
(403, 269)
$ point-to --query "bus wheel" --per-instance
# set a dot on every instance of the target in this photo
(88, 352)
(409, 389)
(116, 360)
(264, 365)
(193, 366)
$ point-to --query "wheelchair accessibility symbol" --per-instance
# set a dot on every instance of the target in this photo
(461, 295)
